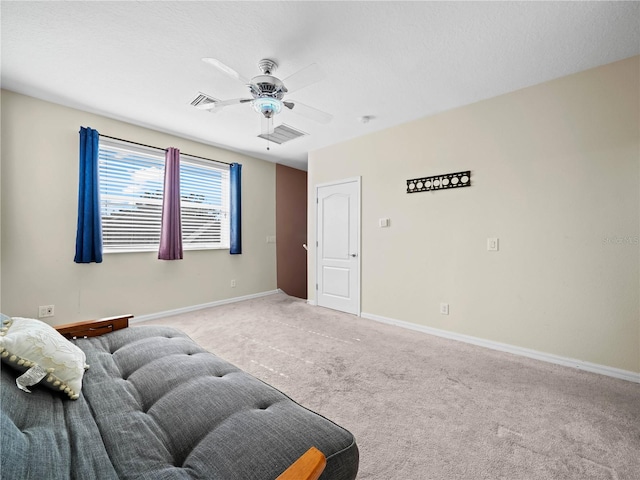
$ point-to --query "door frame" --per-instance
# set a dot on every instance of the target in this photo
(358, 181)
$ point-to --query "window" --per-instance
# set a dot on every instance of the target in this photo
(131, 185)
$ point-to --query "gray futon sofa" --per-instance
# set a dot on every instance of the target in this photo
(155, 405)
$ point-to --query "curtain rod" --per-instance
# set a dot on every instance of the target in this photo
(163, 149)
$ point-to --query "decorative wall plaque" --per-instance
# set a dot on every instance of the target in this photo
(439, 182)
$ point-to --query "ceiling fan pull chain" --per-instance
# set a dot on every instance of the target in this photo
(270, 123)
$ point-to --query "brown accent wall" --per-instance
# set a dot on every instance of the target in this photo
(291, 230)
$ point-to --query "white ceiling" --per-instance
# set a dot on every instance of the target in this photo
(396, 61)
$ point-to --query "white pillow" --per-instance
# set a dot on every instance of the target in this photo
(37, 349)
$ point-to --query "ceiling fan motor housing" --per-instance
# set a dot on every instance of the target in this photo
(268, 86)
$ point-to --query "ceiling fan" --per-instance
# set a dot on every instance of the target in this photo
(268, 92)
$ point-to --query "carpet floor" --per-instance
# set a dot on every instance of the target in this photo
(424, 407)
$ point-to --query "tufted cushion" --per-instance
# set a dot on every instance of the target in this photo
(166, 408)
(31, 345)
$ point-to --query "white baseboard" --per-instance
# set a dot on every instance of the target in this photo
(178, 311)
(312, 302)
(503, 347)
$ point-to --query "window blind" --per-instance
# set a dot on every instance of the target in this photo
(131, 189)
(204, 202)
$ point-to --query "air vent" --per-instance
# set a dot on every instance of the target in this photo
(203, 99)
(283, 134)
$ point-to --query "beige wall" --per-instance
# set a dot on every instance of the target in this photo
(39, 212)
(555, 172)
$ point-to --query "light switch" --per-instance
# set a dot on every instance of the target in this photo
(383, 222)
(492, 244)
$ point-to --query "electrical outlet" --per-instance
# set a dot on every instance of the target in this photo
(46, 311)
(444, 308)
(233, 284)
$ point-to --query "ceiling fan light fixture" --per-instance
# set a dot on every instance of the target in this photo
(267, 106)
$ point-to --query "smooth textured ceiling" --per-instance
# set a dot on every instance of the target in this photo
(396, 61)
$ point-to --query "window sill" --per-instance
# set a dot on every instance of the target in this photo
(155, 250)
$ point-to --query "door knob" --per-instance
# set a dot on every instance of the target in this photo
(354, 255)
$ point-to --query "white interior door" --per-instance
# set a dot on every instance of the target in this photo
(338, 246)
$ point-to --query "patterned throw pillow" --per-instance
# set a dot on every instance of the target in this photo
(41, 353)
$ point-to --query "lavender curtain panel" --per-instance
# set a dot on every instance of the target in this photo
(89, 229)
(171, 232)
(235, 227)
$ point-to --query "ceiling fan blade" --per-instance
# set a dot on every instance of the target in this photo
(226, 69)
(303, 78)
(307, 111)
(223, 103)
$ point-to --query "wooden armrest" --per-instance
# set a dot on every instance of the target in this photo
(93, 328)
(308, 467)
